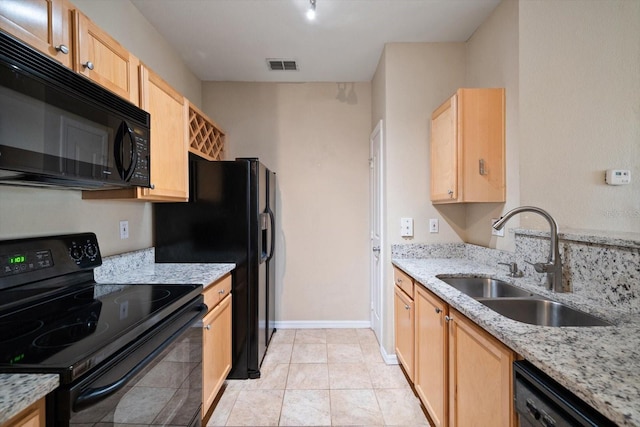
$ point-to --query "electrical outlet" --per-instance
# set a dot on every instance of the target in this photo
(124, 230)
(494, 232)
(433, 225)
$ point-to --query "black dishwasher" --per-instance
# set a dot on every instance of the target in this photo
(541, 401)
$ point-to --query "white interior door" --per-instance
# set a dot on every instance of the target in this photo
(377, 245)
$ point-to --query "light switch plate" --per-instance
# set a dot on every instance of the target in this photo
(433, 225)
(124, 230)
(406, 227)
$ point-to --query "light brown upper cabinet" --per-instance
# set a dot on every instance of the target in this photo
(102, 59)
(42, 24)
(468, 147)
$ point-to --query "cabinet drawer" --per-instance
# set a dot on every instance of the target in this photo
(404, 281)
(216, 292)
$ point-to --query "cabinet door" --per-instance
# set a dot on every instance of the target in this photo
(216, 351)
(42, 24)
(430, 376)
(444, 152)
(32, 416)
(481, 132)
(102, 59)
(169, 138)
(479, 376)
(404, 330)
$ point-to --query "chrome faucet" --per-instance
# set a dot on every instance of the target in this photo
(553, 266)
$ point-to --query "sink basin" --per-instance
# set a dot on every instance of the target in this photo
(542, 312)
(485, 287)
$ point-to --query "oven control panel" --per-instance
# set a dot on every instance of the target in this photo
(26, 260)
(22, 262)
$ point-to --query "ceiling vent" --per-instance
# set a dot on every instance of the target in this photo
(282, 64)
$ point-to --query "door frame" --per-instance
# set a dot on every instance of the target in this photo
(379, 273)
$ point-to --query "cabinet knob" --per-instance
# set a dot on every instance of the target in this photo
(438, 311)
(448, 318)
(406, 307)
(450, 193)
(62, 49)
(152, 187)
(88, 65)
(221, 291)
(208, 327)
(399, 280)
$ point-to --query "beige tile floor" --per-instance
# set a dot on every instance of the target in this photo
(321, 377)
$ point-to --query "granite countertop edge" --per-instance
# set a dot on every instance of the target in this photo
(18, 391)
(601, 365)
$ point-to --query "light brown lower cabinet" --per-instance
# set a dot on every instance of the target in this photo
(480, 378)
(31, 416)
(462, 374)
(216, 340)
(404, 330)
(431, 340)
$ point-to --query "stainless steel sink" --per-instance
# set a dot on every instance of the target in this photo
(542, 312)
(485, 287)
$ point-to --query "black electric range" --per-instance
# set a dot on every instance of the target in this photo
(54, 318)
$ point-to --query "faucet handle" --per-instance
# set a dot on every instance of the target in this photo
(513, 269)
(540, 267)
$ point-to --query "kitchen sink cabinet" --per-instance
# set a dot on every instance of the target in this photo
(102, 59)
(468, 147)
(480, 376)
(404, 330)
(431, 344)
(216, 340)
(31, 416)
(42, 24)
(461, 373)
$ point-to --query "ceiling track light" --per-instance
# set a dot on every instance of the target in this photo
(311, 13)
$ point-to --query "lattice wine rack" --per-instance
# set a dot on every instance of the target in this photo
(206, 138)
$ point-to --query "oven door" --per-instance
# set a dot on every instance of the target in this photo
(155, 382)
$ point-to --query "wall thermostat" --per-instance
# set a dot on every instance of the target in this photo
(617, 177)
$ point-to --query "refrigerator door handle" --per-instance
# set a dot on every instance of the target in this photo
(272, 233)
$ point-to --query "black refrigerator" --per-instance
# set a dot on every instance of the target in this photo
(230, 217)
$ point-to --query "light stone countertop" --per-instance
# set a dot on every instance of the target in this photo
(601, 365)
(17, 391)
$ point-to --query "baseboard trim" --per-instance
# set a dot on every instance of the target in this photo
(389, 359)
(322, 324)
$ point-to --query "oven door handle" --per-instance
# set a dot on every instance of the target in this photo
(92, 396)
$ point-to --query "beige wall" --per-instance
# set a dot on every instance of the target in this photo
(580, 111)
(28, 211)
(319, 149)
(417, 78)
(492, 61)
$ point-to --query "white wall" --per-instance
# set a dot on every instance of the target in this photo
(29, 211)
(580, 110)
(319, 149)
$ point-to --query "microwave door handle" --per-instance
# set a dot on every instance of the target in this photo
(125, 173)
(133, 154)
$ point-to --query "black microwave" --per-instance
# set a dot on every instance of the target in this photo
(57, 128)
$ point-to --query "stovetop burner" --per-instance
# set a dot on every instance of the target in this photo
(12, 330)
(69, 334)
